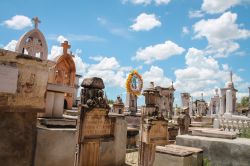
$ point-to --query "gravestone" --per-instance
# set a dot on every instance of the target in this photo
(94, 125)
(154, 128)
(184, 121)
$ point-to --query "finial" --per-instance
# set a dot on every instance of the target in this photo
(36, 22)
(65, 46)
(201, 96)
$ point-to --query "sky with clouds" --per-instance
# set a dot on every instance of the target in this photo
(194, 43)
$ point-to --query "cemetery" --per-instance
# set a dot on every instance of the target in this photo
(50, 115)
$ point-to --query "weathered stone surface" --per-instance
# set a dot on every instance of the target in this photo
(220, 151)
(176, 155)
(214, 133)
(8, 77)
(31, 84)
(93, 82)
(17, 138)
(58, 122)
(55, 147)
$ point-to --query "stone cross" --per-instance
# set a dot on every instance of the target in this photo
(36, 21)
(65, 46)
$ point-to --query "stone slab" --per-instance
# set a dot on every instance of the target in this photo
(55, 147)
(214, 133)
(8, 77)
(93, 82)
(60, 88)
(57, 122)
(220, 151)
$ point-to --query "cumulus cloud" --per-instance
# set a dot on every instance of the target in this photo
(11, 46)
(18, 22)
(195, 13)
(203, 74)
(147, 2)
(109, 70)
(160, 2)
(96, 58)
(145, 22)
(155, 74)
(221, 34)
(218, 6)
(158, 52)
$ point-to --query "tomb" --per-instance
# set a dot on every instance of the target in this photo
(62, 85)
(101, 138)
(24, 77)
(165, 100)
(176, 155)
(154, 128)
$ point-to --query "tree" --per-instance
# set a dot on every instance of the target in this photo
(244, 102)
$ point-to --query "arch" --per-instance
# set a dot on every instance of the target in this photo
(34, 43)
(66, 70)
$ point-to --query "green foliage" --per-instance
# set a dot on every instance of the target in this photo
(206, 162)
(111, 101)
(245, 133)
(244, 102)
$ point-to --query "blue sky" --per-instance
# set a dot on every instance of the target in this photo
(192, 43)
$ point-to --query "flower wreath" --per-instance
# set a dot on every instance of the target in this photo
(129, 83)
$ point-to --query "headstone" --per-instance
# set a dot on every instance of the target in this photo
(184, 121)
(154, 128)
(94, 125)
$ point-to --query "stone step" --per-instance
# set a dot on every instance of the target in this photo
(73, 112)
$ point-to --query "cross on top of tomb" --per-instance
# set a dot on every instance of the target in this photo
(65, 46)
(36, 21)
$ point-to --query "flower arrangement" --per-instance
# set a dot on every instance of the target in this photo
(134, 83)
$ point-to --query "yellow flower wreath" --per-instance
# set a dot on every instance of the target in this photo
(129, 83)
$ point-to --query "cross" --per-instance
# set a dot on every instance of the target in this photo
(36, 21)
(65, 46)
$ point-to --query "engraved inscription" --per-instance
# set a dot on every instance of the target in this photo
(97, 126)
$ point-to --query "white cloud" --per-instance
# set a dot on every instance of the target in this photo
(76, 37)
(138, 2)
(221, 34)
(155, 74)
(145, 22)
(81, 67)
(147, 2)
(185, 30)
(195, 14)
(158, 52)
(61, 39)
(18, 22)
(96, 58)
(203, 74)
(160, 2)
(11, 46)
(241, 69)
(109, 70)
(218, 6)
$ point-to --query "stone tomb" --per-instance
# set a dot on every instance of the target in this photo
(22, 95)
(95, 127)
(176, 155)
(61, 85)
(154, 128)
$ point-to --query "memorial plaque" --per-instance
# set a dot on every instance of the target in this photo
(97, 124)
(157, 134)
(8, 79)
